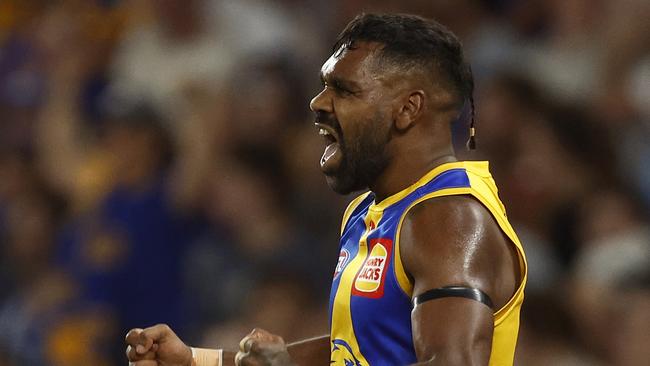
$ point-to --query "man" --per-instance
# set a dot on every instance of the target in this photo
(430, 272)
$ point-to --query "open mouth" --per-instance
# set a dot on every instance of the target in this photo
(332, 156)
(327, 132)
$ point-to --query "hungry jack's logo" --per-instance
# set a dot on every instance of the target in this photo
(369, 281)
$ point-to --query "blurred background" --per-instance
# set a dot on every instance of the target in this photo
(158, 163)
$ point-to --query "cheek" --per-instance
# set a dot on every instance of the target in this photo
(354, 118)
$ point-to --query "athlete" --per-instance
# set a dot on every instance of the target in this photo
(430, 272)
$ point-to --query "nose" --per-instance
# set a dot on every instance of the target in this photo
(321, 103)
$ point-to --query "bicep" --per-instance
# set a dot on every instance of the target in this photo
(452, 331)
(454, 242)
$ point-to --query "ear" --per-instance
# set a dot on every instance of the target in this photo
(409, 110)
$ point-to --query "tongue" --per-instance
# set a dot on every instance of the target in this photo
(331, 159)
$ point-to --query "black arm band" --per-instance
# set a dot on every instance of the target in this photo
(454, 291)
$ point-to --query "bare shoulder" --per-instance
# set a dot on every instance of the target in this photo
(455, 240)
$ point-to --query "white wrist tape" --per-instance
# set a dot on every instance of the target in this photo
(207, 357)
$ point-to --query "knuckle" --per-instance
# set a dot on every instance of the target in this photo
(132, 333)
(238, 358)
(249, 344)
(131, 354)
(255, 347)
(242, 343)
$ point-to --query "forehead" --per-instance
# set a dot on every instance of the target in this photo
(352, 63)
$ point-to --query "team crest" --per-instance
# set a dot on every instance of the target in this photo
(342, 354)
(369, 281)
(344, 257)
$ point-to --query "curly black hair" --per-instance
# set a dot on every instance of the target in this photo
(411, 41)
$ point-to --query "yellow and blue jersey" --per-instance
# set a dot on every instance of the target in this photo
(370, 301)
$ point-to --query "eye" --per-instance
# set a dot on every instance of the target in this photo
(344, 92)
(340, 90)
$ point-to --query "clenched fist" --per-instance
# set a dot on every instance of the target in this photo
(261, 348)
(156, 346)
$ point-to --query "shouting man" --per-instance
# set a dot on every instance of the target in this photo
(430, 272)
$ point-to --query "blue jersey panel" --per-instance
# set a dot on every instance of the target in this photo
(379, 307)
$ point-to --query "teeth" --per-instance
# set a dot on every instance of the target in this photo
(323, 132)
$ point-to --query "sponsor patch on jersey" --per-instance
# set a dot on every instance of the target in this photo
(370, 278)
(344, 257)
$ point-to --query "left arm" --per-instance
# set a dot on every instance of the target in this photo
(454, 241)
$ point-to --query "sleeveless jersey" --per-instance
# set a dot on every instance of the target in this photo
(370, 300)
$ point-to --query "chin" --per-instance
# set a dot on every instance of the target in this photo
(343, 186)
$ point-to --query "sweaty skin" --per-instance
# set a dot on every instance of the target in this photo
(402, 118)
(348, 108)
(458, 237)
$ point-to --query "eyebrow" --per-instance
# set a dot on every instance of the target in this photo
(337, 81)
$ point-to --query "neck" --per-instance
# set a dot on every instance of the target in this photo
(402, 173)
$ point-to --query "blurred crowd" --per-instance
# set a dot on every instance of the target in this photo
(158, 163)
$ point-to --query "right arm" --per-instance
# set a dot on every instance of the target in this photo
(263, 348)
(312, 351)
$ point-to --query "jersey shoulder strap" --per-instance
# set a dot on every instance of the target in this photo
(483, 188)
(353, 205)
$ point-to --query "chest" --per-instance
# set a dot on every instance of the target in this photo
(364, 280)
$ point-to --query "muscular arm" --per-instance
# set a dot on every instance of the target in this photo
(454, 241)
